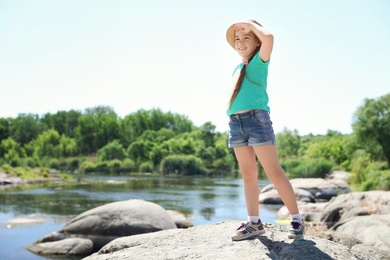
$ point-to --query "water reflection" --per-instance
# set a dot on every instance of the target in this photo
(207, 213)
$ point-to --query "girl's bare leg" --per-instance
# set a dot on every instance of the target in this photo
(247, 162)
(268, 157)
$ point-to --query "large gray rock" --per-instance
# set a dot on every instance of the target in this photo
(354, 204)
(213, 242)
(107, 222)
(307, 190)
(373, 230)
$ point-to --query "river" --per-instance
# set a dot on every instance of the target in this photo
(28, 213)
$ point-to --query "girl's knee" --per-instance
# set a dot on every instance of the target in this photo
(249, 176)
(277, 175)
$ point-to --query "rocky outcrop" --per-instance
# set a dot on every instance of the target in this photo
(7, 179)
(104, 224)
(307, 190)
(373, 230)
(213, 242)
(362, 215)
(345, 206)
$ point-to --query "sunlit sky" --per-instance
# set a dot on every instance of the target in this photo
(76, 54)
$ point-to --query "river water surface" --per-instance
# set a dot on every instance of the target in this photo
(47, 208)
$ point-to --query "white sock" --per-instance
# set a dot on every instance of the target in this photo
(297, 217)
(253, 219)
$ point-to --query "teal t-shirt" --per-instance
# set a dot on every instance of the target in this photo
(253, 92)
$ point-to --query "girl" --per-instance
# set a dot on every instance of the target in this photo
(251, 131)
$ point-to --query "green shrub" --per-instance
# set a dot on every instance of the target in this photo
(312, 168)
(111, 151)
(15, 162)
(6, 168)
(32, 162)
(146, 167)
(74, 163)
(290, 164)
(45, 174)
(182, 165)
(54, 163)
(101, 166)
(377, 180)
(114, 164)
(128, 165)
(361, 163)
(88, 167)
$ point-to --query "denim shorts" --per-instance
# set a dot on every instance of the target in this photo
(252, 128)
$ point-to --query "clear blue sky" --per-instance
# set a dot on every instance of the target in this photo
(76, 54)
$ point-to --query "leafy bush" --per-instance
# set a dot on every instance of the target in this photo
(54, 163)
(88, 167)
(28, 173)
(15, 162)
(113, 164)
(101, 166)
(128, 165)
(312, 168)
(113, 150)
(31, 162)
(6, 168)
(360, 164)
(377, 180)
(182, 164)
(73, 163)
(290, 164)
(146, 167)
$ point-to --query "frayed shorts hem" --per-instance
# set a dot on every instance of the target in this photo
(251, 145)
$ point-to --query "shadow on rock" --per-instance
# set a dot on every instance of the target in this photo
(297, 249)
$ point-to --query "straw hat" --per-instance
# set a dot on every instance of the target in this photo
(230, 33)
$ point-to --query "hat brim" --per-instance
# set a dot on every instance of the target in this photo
(230, 36)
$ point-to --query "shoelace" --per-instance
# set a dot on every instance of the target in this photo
(243, 225)
(295, 225)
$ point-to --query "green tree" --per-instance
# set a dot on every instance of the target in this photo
(134, 125)
(64, 122)
(371, 123)
(139, 151)
(10, 150)
(331, 149)
(47, 144)
(68, 146)
(4, 129)
(97, 127)
(288, 143)
(208, 133)
(158, 152)
(25, 128)
(111, 151)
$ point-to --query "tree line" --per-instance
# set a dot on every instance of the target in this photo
(98, 140)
